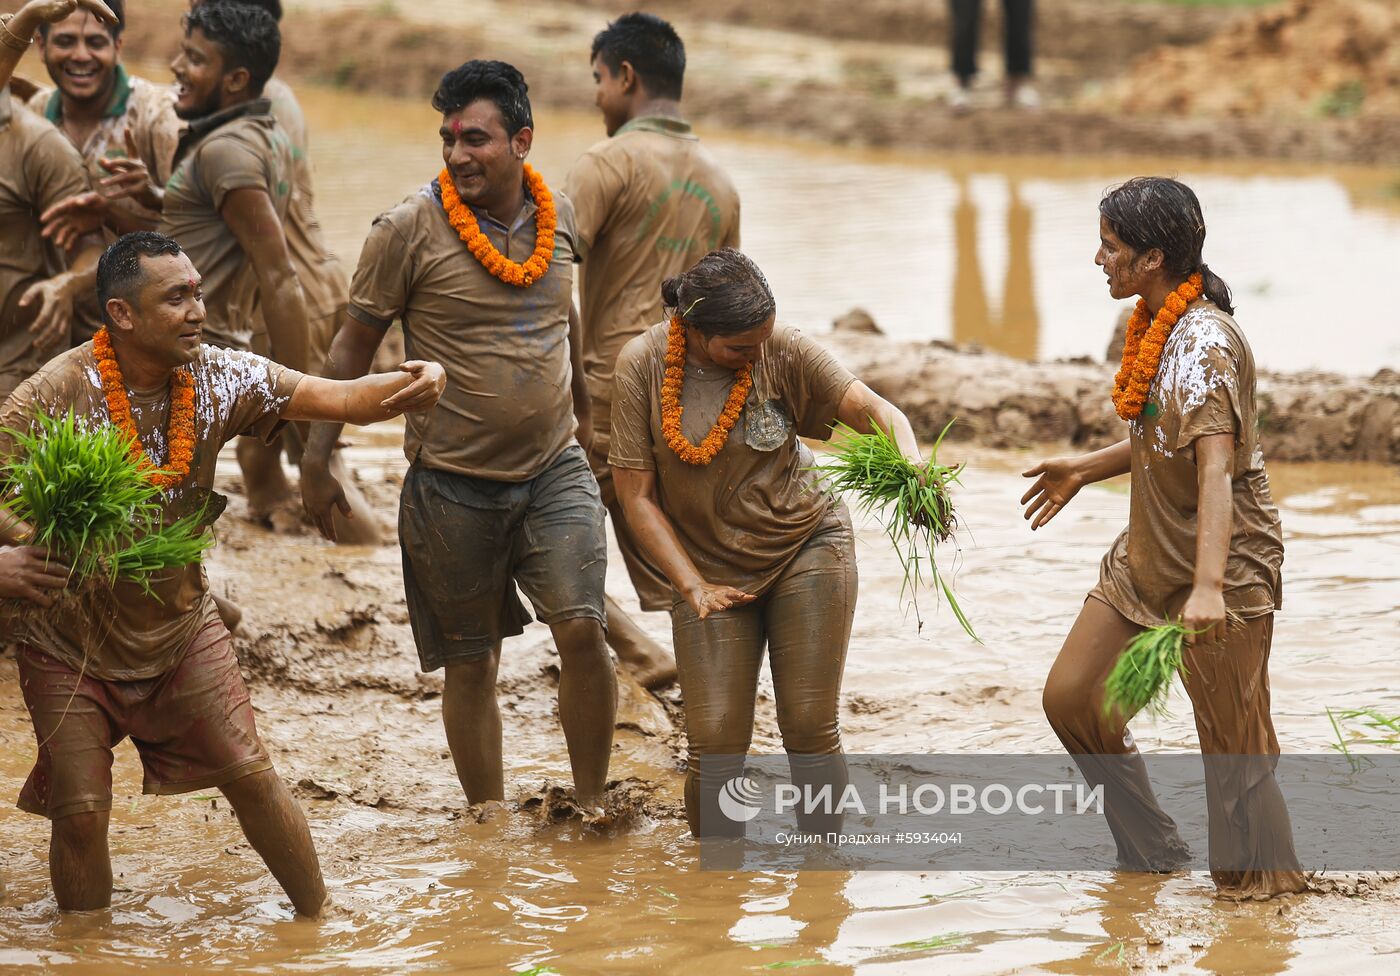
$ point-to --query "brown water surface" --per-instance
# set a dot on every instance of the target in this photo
(421, 889)
(997, 251)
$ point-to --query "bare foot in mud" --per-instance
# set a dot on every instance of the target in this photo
(488, 811)
(624, 801)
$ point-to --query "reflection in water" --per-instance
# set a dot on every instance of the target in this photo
(1015, 329)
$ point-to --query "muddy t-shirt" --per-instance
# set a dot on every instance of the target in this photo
(650, 203)
(122, 633)
(38, 168)
(323, 279)
(1205, 385)
(138, 109)
(745, 515)
(507, 411)
(238, 148)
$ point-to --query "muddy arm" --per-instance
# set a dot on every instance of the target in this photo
(368, 399)
(862, 408)
(1205, 607)
(636, 490)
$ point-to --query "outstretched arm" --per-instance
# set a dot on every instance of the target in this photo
(368, 399)
(1059, 479)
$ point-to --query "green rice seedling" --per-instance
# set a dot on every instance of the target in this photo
(1142, 676)
(90, 504)
(1380, 730)
(934, 942)
(912, 502)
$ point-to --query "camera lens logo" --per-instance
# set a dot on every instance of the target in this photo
(739, 799)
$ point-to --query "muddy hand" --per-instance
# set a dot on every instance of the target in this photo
(429, 380)
(70, 219)
(321, 495)
(53, 11)
(1056, 482)
(1204, 616)
(55, 312)
(708, 598)
(27, 573)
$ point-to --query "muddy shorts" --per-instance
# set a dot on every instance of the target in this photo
(192, 726)
(467, 542)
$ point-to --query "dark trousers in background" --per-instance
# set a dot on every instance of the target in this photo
(1017, 16)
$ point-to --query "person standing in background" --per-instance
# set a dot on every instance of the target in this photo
(650, 202)
(1018, 16)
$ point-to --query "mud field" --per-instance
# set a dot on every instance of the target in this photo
(877, 74)
(423, 887)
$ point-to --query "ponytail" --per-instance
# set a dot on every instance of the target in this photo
(1216, 290)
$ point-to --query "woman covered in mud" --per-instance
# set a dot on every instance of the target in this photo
(1203, 545)
(707, 411)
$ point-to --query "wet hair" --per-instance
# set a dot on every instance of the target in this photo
(650, 45)
(247, 36)
(116, 6)
(273, 7)
(494, 80)
(1153, 211)
(723, 294)
(119, 273)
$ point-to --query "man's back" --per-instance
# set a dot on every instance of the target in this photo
(650, 202)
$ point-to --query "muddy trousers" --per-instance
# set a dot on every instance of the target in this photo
(804, 620)
(1228, 684)
(966, 30)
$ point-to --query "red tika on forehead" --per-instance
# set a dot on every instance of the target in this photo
(456, 127)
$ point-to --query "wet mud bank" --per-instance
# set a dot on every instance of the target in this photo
(1006, 403)
(781, 68)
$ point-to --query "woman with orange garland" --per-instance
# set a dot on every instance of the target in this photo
(1203, 545)
(707, 411)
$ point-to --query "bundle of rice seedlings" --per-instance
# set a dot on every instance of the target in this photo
(912, 502)
(90, 504)
(1142, 676)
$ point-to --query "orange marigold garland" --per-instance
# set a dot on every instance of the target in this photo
(179, 435)
(464, 222)
(671, 408)
(1142, 349)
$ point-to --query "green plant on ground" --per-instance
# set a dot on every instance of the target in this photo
(1379, 730)
(913, 503)
(1344, 101)
(90, 504)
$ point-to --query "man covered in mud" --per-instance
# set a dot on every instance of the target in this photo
(114, 119)
(38, 168)
(478, 266)
(112, 662)
(649, 203)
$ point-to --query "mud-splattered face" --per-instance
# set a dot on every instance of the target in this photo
(733, 351)
(199, 77)
(81, 57)
(1128, 271)
(610, 95)
(484, 161)
(165, 319)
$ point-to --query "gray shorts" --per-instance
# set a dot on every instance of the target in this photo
(467, 542)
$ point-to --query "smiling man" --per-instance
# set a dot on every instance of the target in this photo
(227, 202)
(479, 268)
(159, 667)
(106, 112)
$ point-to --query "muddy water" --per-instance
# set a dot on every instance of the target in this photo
(420, 888)
(996, 251)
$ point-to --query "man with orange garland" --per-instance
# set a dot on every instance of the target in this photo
(478, 266)
(650, 202)
(159, 667)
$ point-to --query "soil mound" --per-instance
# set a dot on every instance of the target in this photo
(1321, 58)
